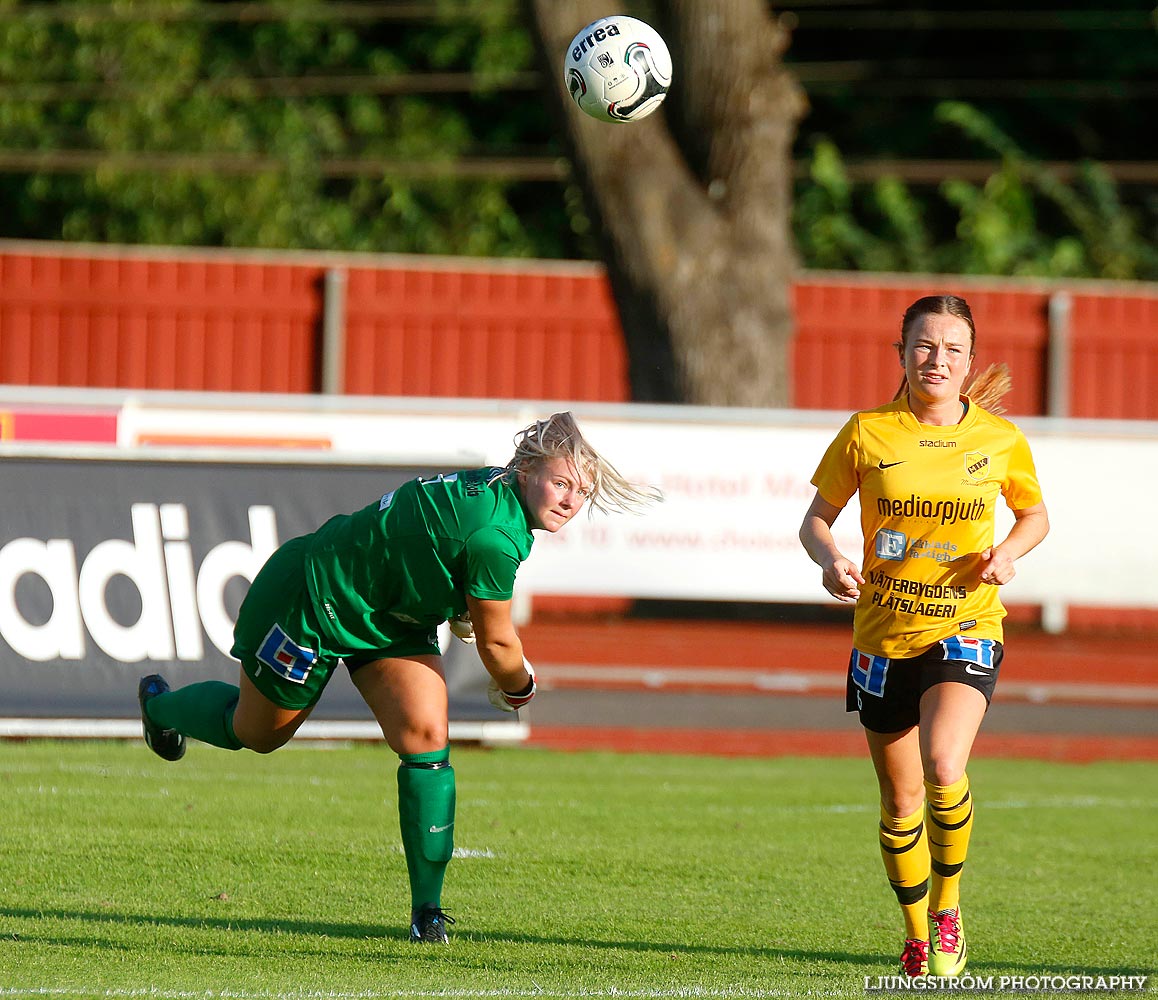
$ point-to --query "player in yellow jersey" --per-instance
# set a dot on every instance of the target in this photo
(927, 629)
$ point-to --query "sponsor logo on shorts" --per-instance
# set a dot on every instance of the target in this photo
(869, 673)
(972, 652)
(285, 657)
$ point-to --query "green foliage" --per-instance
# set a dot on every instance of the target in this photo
(1023, 221)
(578, 874)
(254, 174)
(830, 232)
(285, 132)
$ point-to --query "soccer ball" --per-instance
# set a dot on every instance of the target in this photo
(618, 69)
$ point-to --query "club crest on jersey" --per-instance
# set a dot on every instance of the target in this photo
(285, 657)
(977, 465)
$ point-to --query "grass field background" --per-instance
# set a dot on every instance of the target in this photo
(580, 874)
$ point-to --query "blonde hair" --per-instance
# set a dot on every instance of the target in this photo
(988, 387)
(558, 436)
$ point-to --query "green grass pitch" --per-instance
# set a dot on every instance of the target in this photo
(579, 875)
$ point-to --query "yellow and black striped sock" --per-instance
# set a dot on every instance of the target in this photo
(905, 851)
(950, 823)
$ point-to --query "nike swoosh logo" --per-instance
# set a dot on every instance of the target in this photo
(882, 464)
(441, 829)
(979, 673)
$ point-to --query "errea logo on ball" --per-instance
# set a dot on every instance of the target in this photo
(178, 600)
(584, 42)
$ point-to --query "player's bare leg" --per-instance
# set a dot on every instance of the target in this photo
(951, 715)
(408, 698)
(261, 725)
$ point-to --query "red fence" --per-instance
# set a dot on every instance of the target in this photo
(846, 326)
(215, 320)
(129, 321)
(419, 331)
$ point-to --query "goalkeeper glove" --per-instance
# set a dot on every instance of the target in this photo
(506, 702)
(463, 627)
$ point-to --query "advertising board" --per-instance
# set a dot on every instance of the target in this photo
(115, 567)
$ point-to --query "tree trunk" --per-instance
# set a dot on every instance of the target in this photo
(694, 202)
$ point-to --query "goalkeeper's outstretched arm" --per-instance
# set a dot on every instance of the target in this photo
(501, 650)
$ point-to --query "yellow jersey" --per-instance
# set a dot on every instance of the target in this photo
(927, 497)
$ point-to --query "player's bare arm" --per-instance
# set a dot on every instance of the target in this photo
(498, 643)
(1030, 526)
(841, 576)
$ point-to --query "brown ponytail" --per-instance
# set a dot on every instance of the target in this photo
(988, 387)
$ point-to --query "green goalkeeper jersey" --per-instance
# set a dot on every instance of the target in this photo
(411, 558)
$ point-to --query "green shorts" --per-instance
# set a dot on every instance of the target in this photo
(280, 644)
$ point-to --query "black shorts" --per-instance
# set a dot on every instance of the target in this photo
(887, 693)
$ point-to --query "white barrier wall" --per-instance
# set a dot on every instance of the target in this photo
(737, 485)
(118, 559)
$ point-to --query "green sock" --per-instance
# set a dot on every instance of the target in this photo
(203, 711)
(426, 816)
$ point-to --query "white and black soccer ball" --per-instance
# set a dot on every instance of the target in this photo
(618, 69)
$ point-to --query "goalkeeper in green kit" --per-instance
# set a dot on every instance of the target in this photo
(370, 589)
